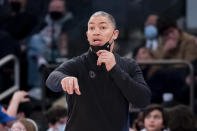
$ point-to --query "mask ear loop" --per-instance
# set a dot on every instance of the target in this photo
(111, 38)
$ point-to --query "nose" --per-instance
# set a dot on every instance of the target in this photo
(96, 31)
(151, 119)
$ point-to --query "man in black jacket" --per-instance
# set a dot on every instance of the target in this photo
(99, 84)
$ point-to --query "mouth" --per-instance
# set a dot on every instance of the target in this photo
(151, 126)
(97, 41)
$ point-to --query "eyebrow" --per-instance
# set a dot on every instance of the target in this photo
(99, 23)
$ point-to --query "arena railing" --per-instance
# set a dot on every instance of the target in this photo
(15, 87)
(175, 62)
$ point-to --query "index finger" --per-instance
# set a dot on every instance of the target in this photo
(25, 93)
(101, 51)
(26, 100)
(76, 87)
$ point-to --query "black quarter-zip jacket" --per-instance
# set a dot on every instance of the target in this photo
(105, 96)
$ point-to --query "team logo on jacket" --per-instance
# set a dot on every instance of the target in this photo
(92, 74)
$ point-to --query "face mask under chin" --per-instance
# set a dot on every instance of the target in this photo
(95, 49)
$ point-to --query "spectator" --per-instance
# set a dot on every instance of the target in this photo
(5, 119)
(155, 118)
(151, 32)
(174, 44)
(24, 124)
(57, 118)
(181, 118)
(151, 37)
(50, 43)
(141, 53)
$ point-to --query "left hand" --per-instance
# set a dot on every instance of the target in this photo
(107, 58)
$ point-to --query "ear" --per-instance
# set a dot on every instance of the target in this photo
(116, 33)
(87, 35)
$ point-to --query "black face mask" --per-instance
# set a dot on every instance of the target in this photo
(55, 15)
(106, 46)
(15, 6)
(95, 49)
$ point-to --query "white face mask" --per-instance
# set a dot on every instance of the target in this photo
(61, 127)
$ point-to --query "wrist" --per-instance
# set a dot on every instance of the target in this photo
(14, 100)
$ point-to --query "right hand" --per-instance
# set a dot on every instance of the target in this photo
(70, 84)
(169, 45)
(20, 96)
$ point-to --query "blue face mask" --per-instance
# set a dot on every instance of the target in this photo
(150, 32)
(61, 127)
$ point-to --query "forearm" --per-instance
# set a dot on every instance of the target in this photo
(13, 107)
(66, 69)
(134, 89)
(53, 82)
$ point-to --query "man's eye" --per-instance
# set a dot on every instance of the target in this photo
(103, 27)
(91, 28)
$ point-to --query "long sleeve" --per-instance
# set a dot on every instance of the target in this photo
(66, 69)
(132, 84)
(103, 94)
(54, 81)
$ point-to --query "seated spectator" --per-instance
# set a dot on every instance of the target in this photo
(50, 43)
(57, 118)
(155, 118)
(174, 44)
(5, 120)
(151, 32)
(150, 42)
(181, 118)
(150, 35)
(20, 105)
(24, 124)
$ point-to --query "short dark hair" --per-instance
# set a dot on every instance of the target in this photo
(158, 107)
(181, 118)
(165, 22)
(55, 113)
(102, 13)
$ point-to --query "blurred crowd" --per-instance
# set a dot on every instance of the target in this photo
(56, 32)
(154, 117)
(20, 115)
